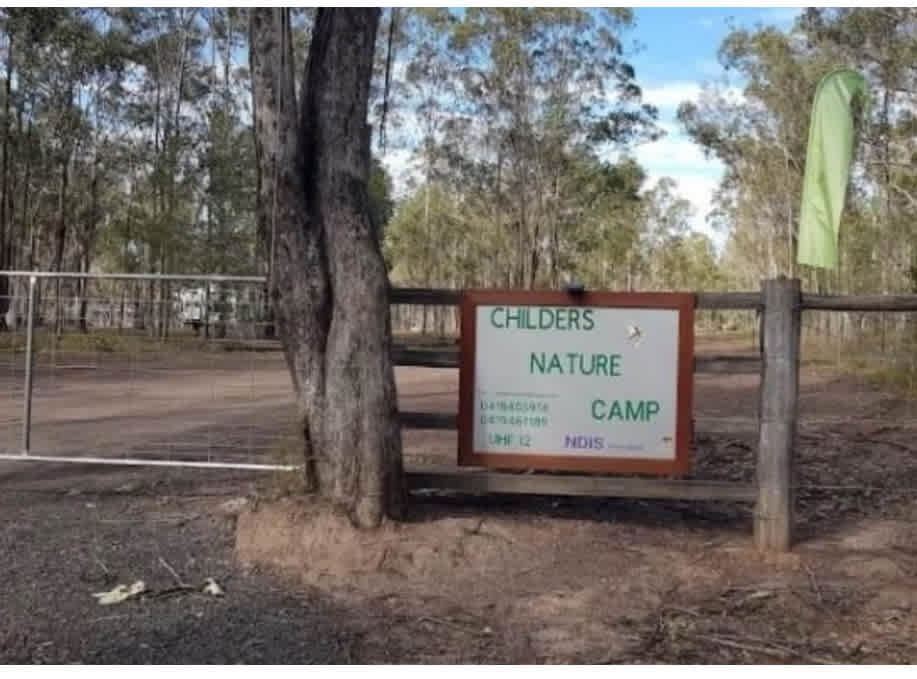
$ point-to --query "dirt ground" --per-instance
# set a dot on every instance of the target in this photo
(465, 579)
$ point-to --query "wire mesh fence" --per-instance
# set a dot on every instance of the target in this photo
(183, 370)
(145, 368)
(12, 377)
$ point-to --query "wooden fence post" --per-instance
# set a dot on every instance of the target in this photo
(777, 429)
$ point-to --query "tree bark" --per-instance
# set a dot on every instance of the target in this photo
(162, 311)
(262, 220)
(86, 238)
(60, 240)
(330, 284)
(4, 185)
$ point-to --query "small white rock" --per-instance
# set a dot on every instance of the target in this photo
(212, 587)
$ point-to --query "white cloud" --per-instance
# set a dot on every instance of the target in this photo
(400, 165)
(676, 156)
(699, 190)
(679, 158)
(670, 95)
(673, 153)
(697, 187)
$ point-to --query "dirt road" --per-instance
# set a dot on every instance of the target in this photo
(486, 580)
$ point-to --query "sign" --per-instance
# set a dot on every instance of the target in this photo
(598, 382)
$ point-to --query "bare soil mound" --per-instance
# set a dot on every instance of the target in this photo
(565, 587)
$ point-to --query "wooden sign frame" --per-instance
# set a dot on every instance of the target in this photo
(684, 303)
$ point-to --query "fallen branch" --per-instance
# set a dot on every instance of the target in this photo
(891, 444)
(467, 628)
(102, 565)
(814, 583)
(761, 647)
(171, 591)
(181, 583)
(107, 618)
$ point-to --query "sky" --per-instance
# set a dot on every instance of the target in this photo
(678, 54)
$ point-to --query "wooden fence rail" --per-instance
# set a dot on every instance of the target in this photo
(893, 303)
(718, 301)
(596, 486)
(446, 297)
(479, 481)
(780, 304)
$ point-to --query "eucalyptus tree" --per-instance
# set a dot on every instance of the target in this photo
(330, 282)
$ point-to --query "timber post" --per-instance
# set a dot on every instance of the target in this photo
(778, 415)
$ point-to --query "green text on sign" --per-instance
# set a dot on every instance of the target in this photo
(609, 377)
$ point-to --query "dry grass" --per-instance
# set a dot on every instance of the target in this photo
(286, 451)
(894, 369)
(127, 343)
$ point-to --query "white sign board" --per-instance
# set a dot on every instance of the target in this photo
(593, 383)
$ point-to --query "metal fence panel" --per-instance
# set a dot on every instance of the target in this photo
(143, 370)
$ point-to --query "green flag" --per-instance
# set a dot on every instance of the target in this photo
(827, 167)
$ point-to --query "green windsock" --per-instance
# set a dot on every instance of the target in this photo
(828, 160)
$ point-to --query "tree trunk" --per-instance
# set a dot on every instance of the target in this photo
(89, 230)
(330, 282)
(60, 240)
(163, 309)
(27, 222)
(84, 291)
(262, 222)
(4, 187)
(219, 330)
(166, 310)
(207, 306)
(121, 310)
(149, 311)
(139, 321)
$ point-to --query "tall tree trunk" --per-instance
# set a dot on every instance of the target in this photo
(84, 291)
(139, 322)
(149, 311)
(88, 236)
(4, 185)
(167, 310)
(163, 310)
(27, 223)
(330, 281)
(263, 230)
(265, 246)
(121, 309)
(222, 311)
(886, 203)
(206, 312)
(60, 240)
